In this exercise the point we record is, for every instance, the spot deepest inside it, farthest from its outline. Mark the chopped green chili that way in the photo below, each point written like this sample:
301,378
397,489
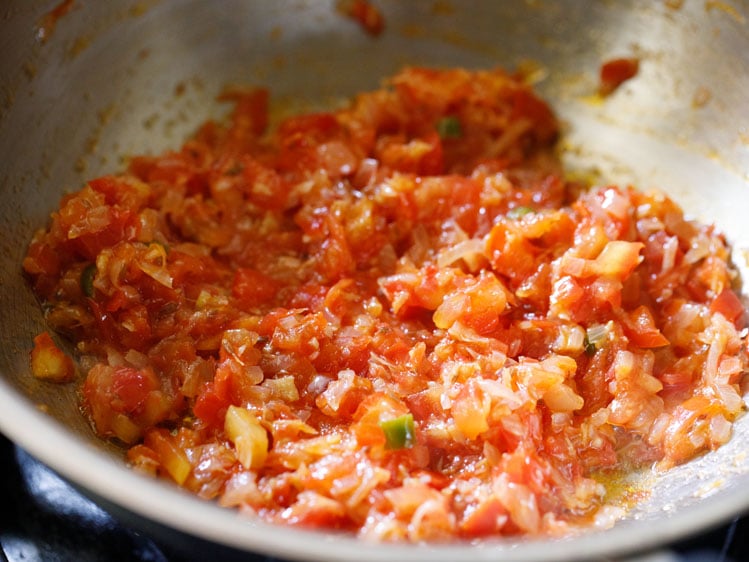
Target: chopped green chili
399,432
235,170
87,279
449,128
519,212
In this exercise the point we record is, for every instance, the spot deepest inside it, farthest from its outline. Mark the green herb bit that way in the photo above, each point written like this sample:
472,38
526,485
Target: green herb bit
235,170
519,212
449,128
87,279
595,337
400,432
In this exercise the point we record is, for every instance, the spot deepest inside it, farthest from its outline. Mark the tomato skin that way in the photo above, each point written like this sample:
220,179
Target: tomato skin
477,306
251,288
639,326
615,72
129,387
465,203
512,254
263,185
211,405
188,270
126,193
89,224
422,156
526,105
125,395
730,306
42,259
365,14
120,226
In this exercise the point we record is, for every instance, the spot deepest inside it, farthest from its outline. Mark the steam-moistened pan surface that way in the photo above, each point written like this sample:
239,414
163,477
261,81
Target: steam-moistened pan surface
89,93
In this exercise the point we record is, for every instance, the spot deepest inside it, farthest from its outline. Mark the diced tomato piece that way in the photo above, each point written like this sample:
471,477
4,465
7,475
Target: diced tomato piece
306,128
639,326
342,397
615,72
210,406
250,115
123,401
423,156
253,288
526,105
264,186
365,14
42,259
90,225
730,306
484,519
511,254
125,191
49,362
477,306
130,387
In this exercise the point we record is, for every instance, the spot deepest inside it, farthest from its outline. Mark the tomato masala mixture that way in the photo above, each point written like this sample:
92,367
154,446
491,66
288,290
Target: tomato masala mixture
396,319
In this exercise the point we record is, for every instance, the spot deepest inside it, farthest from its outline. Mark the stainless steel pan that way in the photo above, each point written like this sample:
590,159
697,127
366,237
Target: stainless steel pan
118,78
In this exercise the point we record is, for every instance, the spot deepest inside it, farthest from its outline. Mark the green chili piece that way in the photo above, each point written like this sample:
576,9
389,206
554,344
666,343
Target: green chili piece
87,279
400,432
449,128
519,212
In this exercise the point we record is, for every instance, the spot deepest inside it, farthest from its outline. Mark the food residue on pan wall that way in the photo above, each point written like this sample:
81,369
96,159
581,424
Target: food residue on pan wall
49,21
531,71
79,44
709,489
30,70
726,8
443,7
614,72
701,97
104,116
625,489
368,16
139,9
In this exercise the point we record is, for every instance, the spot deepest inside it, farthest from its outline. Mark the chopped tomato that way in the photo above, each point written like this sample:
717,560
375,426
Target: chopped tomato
396,318
730,306
49,362
615,72
210,406
639,326
124,401
252,288
363,12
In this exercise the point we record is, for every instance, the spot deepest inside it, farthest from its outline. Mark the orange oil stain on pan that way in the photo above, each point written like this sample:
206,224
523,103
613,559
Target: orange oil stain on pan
48,22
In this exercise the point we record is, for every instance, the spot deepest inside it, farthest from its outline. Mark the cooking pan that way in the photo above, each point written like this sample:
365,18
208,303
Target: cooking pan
85,84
